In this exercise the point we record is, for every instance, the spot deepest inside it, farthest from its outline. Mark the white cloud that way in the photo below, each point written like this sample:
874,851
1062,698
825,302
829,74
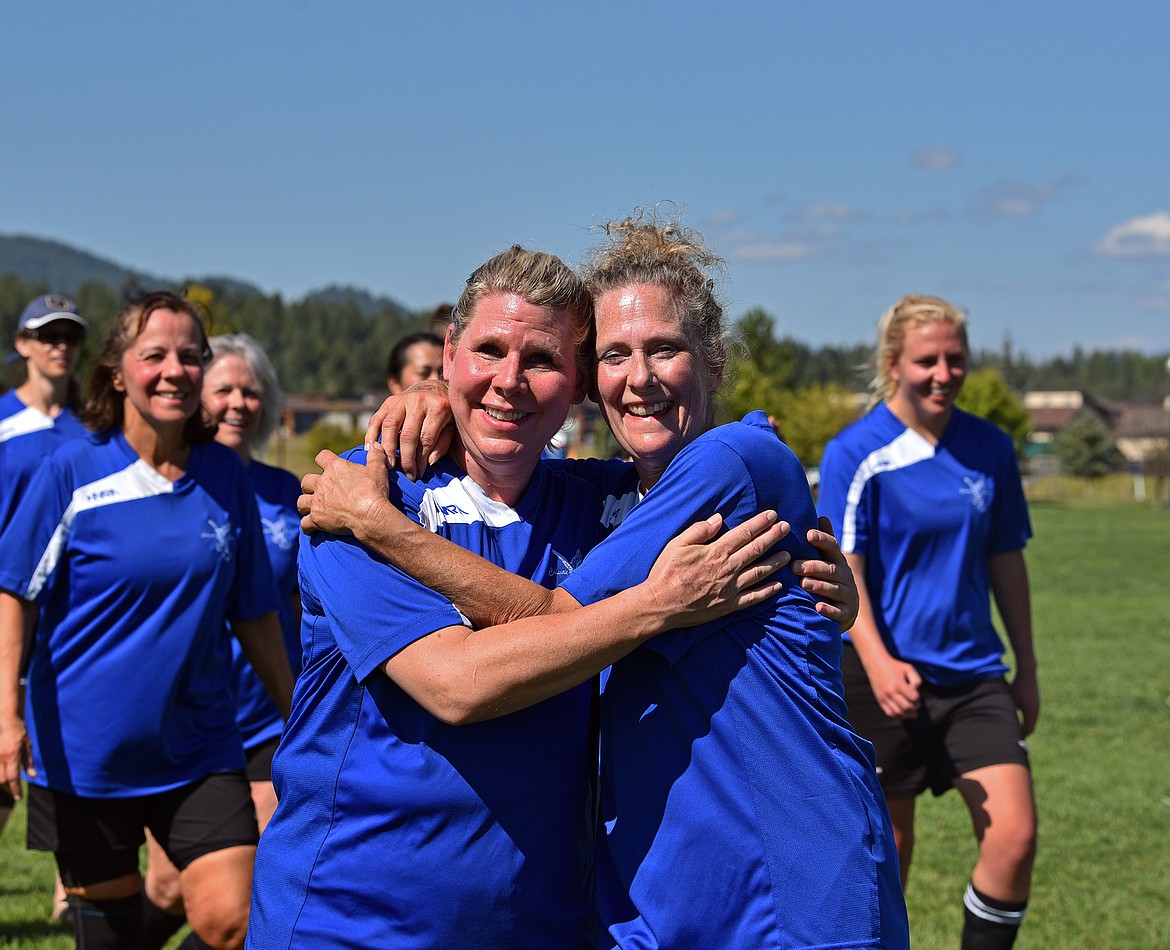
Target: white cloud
909,216
833,211
764,250
936,159
724,218
1017,199
1138,237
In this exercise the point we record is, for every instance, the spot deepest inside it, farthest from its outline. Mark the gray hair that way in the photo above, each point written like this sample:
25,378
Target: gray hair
258,363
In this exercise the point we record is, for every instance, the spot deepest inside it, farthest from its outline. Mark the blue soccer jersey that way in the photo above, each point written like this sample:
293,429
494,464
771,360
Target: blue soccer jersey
927,518
276,498
129,679
739,810
395,830
27,435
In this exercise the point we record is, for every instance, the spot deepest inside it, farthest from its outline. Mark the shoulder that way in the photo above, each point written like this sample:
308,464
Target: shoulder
279,480
752,441
969,426
10,404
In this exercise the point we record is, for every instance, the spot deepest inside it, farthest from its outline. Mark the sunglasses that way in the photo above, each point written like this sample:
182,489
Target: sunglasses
57,337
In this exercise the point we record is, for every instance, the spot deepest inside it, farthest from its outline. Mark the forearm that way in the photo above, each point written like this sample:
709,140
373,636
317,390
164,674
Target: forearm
463,676
1009,585
14,621
485,593
263,645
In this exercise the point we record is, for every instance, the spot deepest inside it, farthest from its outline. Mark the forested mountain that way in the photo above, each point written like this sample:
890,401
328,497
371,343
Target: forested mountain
335,341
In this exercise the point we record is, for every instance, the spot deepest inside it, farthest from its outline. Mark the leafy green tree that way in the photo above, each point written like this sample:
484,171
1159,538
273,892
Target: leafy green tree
333,436
986,394
1085,448
811,415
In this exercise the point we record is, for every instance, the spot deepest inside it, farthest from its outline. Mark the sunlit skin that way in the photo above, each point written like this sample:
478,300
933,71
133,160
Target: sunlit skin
231,396
655,389
513,377
423,361
161,376
56,360
929,373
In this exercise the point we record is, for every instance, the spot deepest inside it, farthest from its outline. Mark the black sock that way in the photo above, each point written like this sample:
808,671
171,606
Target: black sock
107,925
990,924
192,942
157,925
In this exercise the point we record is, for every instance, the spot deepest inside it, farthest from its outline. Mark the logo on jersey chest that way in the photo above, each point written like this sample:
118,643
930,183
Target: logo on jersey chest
221,535
980,491
280,533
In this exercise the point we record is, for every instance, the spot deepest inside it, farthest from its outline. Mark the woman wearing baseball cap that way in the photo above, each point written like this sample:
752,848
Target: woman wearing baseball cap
37,415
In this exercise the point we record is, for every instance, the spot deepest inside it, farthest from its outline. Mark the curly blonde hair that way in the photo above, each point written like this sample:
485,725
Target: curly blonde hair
644,248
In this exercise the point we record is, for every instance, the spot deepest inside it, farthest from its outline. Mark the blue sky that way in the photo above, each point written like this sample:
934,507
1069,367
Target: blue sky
1012,157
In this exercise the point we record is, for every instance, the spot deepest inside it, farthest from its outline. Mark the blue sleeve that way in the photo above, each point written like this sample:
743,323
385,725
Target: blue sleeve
849,516
1010,526
370,608
31,531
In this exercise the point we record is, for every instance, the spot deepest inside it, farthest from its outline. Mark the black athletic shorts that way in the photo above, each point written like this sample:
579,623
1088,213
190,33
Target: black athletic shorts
259,768
958,729
97,839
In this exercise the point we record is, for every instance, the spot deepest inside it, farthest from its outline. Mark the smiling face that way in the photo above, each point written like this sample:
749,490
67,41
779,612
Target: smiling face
52,351
654,387
512,376
161,373
928,374
231,396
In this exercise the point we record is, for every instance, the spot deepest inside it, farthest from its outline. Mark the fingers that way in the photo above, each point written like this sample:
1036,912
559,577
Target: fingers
374,427
700,532
825,523
826,543
749,541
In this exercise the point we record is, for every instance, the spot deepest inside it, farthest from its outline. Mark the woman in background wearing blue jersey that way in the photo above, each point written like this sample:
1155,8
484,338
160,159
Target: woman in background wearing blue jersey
37,416
933,517
242,396
241,393
738,808
130,549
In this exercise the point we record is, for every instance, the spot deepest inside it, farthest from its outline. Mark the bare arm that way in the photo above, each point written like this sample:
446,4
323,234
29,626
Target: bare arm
1009,585
263,645
17,617
894,682
462,675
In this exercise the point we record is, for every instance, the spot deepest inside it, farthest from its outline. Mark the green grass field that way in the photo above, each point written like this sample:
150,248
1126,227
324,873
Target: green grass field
1101,754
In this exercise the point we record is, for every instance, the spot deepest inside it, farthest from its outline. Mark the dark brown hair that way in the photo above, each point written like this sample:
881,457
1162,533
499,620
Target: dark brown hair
105,408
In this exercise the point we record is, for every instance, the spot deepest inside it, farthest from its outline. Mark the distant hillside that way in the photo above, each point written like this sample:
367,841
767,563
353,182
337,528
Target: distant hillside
64,269
367,303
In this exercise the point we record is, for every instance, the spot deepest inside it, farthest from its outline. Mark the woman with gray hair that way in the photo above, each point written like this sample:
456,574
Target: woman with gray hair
242,396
